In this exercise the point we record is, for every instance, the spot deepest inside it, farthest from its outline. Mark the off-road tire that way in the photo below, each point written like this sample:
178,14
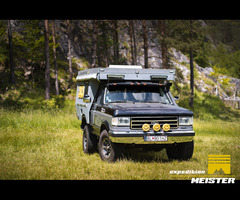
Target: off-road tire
89,141
108,151
180,151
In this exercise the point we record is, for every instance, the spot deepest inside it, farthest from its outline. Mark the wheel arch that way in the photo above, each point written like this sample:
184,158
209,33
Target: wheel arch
84,122
104,126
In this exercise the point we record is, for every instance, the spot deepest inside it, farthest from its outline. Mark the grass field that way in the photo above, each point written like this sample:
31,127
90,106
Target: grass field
35,144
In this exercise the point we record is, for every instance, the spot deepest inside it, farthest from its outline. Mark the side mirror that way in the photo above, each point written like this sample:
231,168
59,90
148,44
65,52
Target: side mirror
86,99
176,98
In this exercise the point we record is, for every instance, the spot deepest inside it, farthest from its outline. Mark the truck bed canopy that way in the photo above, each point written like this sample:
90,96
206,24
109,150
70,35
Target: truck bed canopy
126,72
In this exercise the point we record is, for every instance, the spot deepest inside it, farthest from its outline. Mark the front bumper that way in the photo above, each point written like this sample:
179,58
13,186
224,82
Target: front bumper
128,136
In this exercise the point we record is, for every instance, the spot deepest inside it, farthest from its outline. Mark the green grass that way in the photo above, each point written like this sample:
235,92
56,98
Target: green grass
38,144
208,107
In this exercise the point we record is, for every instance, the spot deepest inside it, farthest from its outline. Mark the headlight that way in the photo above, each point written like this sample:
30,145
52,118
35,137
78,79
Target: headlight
185,120
121,121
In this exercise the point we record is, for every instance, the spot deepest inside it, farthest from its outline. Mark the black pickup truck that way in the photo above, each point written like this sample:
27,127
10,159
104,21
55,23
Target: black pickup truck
120,106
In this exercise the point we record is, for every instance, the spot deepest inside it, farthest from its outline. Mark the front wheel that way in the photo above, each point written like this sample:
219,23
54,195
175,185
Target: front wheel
180,151
108,151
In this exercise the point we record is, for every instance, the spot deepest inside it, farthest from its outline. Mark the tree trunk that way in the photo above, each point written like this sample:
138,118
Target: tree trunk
55,58
145,41
94,51
164,49
47,69
105,45
191,69
116,42
131,39
69,50
12,66
132,42
191,80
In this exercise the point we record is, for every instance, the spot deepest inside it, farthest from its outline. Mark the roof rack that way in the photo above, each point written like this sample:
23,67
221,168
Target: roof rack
126,72
125,66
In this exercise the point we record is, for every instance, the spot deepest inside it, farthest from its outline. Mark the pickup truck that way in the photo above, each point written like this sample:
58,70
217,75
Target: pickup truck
127,105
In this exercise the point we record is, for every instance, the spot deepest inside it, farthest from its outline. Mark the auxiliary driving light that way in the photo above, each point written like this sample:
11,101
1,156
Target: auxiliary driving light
166,127
145,127
156,127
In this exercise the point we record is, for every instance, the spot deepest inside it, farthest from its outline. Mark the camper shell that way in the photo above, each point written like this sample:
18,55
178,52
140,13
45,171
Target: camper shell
127,105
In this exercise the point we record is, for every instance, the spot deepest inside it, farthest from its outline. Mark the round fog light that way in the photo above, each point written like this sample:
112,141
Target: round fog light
145,127
156,127
166,127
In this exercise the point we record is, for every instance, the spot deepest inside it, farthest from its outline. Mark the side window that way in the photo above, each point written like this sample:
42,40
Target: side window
100,96
86,89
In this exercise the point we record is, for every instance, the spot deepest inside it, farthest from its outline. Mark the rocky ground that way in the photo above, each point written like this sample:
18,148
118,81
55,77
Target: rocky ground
206,80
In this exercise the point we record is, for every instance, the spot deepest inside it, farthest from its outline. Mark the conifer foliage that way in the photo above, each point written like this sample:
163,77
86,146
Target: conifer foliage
46,54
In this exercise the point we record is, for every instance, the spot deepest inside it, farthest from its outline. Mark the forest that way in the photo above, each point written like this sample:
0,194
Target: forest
43,56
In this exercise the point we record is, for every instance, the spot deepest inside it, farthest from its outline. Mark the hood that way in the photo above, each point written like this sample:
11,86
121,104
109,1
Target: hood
134,109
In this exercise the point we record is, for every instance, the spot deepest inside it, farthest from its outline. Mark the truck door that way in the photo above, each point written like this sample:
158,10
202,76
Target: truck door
97,107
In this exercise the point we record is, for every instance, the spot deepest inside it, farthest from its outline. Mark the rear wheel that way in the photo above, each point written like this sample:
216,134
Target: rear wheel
180,151
89,141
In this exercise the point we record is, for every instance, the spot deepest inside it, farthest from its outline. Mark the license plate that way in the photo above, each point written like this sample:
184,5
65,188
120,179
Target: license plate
155,138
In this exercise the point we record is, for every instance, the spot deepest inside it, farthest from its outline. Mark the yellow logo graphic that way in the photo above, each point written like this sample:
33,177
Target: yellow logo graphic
81,92
145,127
166,127
217,162
156,127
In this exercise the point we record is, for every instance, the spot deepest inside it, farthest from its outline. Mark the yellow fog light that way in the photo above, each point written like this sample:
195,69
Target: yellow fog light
156,127
166,127
145,127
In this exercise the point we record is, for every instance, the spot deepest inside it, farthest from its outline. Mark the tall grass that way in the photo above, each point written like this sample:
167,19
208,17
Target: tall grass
41,144
206,106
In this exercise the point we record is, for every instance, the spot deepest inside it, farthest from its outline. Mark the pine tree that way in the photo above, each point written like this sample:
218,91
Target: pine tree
186,35
29,49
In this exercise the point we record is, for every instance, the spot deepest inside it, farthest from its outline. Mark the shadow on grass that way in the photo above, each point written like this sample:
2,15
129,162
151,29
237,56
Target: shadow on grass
140,155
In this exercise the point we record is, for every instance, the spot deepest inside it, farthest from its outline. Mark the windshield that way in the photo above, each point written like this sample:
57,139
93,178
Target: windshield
136,94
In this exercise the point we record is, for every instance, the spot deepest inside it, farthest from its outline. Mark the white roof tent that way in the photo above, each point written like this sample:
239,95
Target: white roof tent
126,72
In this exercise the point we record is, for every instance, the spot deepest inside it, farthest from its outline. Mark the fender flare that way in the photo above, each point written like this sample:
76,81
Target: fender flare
104,125
83,122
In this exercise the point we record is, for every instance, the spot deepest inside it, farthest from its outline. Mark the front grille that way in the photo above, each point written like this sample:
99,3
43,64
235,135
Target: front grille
137,122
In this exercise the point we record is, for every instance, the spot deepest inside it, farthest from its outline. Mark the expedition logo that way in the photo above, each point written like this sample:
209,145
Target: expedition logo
219,171
217,164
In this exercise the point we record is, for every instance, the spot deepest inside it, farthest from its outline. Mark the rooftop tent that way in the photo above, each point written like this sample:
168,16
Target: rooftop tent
126,72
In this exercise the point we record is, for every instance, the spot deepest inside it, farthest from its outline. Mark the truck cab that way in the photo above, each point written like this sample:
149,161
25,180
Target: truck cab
128,105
